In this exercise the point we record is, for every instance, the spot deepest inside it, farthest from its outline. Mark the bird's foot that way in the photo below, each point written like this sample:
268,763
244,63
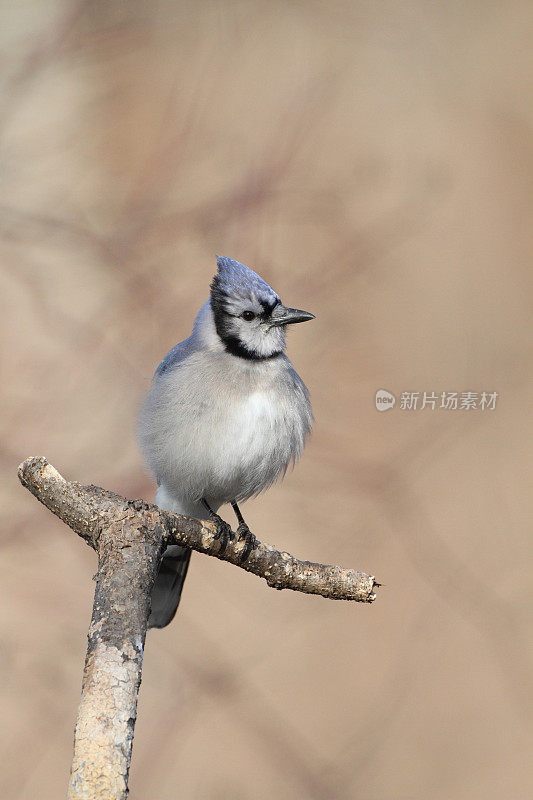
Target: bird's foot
223,532
244,534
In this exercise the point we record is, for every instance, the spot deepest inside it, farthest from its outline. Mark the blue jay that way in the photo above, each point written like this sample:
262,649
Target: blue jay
225,416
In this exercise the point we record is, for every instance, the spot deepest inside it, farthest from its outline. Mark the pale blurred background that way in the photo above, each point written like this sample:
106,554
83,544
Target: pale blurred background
371,160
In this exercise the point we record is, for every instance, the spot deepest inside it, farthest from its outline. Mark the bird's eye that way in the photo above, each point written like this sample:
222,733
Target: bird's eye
248,315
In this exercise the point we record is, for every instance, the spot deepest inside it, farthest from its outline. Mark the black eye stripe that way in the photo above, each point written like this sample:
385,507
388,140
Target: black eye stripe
236,316
269,306
249,315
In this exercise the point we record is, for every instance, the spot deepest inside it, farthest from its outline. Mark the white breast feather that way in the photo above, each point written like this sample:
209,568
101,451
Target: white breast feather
226,433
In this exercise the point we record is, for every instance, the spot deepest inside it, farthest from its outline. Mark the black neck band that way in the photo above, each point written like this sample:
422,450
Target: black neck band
236,348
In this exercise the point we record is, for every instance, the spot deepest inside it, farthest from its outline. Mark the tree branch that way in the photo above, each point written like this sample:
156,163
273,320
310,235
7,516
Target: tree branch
87,509
129,537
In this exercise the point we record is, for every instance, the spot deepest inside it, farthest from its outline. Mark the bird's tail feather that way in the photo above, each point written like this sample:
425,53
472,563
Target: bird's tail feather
166,592
168,585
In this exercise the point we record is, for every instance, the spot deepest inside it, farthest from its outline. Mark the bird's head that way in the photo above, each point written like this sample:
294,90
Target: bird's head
250,318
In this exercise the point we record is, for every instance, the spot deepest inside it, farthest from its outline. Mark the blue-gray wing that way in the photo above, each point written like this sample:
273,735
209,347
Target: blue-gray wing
300,390
174,357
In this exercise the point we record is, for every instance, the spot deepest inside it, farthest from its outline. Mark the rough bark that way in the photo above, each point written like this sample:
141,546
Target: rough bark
129,537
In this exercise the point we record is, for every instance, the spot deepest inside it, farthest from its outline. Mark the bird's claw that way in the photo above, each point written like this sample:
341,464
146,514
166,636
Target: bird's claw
244,534
223,532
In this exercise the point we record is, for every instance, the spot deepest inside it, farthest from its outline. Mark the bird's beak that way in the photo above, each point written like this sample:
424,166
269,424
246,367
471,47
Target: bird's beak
282,315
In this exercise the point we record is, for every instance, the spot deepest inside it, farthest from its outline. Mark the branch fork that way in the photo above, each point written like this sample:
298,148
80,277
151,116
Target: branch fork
129,537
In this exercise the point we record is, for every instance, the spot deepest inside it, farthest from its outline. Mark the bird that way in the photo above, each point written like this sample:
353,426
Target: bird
225,416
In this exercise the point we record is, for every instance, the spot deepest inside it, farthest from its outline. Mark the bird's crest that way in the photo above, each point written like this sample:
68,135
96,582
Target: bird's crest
236,281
